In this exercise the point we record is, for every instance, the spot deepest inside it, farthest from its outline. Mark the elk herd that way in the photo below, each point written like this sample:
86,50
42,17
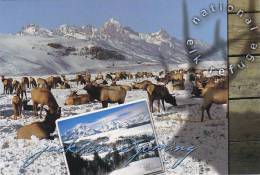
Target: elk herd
105,89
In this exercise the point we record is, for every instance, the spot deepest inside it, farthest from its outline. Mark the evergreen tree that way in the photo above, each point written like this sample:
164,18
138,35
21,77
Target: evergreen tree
116,157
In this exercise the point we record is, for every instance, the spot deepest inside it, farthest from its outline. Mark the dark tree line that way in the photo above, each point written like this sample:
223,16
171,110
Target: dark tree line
110,162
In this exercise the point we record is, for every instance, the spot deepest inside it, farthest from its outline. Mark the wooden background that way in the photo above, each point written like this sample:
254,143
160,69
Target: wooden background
244,91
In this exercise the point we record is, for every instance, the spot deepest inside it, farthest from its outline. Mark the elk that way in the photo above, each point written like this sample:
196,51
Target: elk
87,77
178,85
53,81
99,76
43,97
161,80
17,106
105,95
64,85
42,83
159,92
41,130
172,76
25,81
212,95
202,83
130,76
139,75
33,83
21,90
141,85
75,99
15,84
64,77
80,79
109,76
25,105
126,87
7,83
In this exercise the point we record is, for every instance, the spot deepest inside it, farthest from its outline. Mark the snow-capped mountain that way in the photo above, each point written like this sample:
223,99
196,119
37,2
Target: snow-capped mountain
35,30
118,47
122,119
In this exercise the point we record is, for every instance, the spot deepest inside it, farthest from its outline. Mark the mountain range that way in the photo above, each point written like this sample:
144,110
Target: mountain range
68,49
125,118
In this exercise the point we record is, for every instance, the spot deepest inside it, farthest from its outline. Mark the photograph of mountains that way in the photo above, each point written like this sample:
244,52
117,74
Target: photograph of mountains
109,141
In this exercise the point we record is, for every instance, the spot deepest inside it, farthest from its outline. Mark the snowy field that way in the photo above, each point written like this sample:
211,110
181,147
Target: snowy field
177,125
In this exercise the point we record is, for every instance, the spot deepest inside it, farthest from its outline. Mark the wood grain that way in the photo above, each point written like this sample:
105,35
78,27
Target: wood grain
244,88
244,120
240,36
238,26
246,82
245,5
245,157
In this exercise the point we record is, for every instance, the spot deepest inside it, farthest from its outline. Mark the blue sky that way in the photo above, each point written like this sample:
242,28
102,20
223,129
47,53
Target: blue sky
141,15
65,125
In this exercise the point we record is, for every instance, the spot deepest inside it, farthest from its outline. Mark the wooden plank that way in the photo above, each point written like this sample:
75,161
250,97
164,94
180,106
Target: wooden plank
244,120
245,83
240,35
238,26
245,5
244,158
242,47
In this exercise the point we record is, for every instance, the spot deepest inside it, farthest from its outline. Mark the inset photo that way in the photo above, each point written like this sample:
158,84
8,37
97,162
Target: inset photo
115,141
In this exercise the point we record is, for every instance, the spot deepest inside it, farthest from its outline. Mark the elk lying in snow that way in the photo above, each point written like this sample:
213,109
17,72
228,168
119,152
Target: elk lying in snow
159,92
75,99
41,130
43,97
212,95
7,83
141,85
17,106
33,83
112,94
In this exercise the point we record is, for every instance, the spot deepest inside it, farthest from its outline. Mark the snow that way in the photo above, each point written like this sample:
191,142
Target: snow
180,125
114,135
30,50
143,166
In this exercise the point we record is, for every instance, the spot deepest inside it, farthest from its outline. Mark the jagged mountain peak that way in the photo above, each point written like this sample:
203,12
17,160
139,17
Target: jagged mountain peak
162,32
112,21
34,30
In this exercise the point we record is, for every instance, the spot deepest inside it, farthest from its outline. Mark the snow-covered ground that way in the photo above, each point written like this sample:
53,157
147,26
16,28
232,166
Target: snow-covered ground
140,167
176,126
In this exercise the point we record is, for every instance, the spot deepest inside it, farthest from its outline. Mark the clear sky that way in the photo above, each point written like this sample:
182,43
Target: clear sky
140,15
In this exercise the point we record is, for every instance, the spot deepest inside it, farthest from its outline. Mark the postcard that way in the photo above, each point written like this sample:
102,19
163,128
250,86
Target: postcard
75,75
115,141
